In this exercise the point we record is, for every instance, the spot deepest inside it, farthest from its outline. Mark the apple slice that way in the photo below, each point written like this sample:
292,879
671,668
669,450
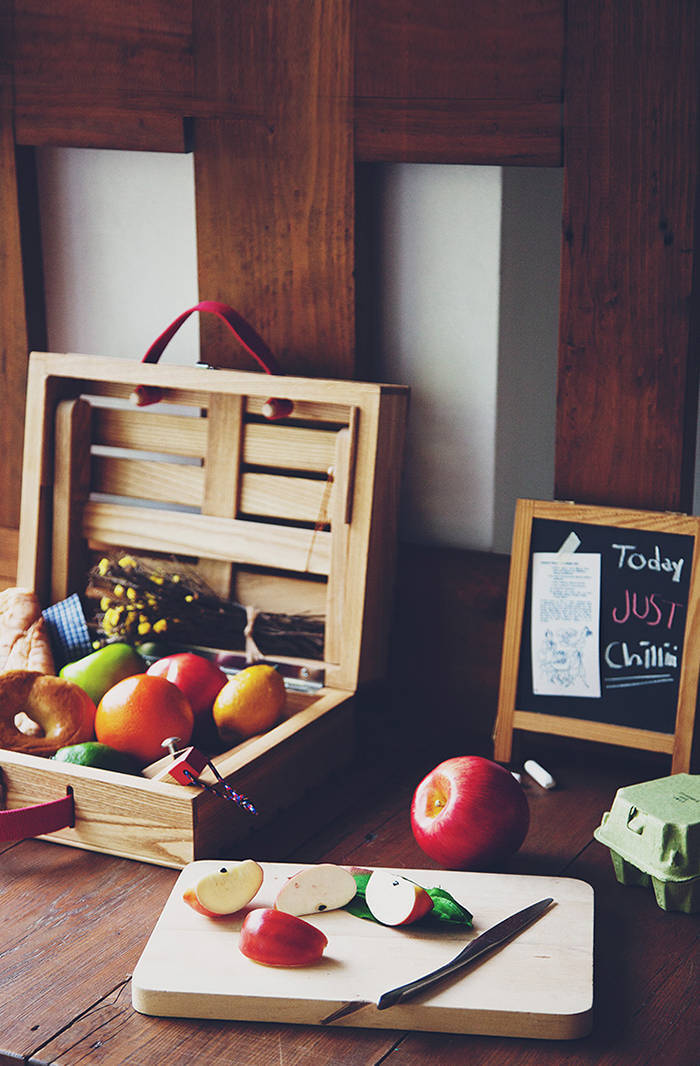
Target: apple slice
325,887
274,938
226,890
394,900
191,900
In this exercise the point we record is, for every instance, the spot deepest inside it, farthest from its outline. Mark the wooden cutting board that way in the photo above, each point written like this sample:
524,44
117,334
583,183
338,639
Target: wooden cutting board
538,985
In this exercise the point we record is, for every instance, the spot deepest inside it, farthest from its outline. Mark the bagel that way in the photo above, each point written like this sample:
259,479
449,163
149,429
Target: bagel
62,709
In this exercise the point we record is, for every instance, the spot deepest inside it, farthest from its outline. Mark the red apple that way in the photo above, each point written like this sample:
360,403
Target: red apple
198,678
278,939
469,813
394,900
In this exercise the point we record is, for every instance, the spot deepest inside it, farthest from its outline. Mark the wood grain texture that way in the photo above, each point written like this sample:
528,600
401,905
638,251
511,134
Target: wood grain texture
275,209
337,576
166,433
13,322
9,537
628,365
148,480
78,125
103,75
471,132
77,1008
71,487
540,986
222,484
468,83
34,554
207,536
85,899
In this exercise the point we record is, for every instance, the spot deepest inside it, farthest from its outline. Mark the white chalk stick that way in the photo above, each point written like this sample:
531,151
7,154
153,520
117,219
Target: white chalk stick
539,774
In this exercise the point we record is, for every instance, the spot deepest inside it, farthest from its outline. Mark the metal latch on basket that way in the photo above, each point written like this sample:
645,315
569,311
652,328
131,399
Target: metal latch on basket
186,767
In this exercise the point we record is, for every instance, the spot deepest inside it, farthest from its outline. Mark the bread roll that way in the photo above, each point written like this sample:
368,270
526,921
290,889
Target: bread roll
24,641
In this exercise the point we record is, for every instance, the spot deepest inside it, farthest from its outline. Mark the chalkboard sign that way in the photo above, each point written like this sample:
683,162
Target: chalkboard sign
602,628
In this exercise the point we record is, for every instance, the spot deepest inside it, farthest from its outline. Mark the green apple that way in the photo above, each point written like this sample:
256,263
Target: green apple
101,669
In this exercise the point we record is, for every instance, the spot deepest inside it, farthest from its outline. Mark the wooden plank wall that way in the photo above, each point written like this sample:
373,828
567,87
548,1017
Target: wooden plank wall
280,100
628,355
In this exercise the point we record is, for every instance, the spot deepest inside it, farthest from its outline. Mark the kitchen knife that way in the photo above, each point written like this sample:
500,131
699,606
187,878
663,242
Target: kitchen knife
492,938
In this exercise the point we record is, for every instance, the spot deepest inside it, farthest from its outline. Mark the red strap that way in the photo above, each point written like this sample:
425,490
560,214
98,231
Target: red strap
144,395
251,341
23,822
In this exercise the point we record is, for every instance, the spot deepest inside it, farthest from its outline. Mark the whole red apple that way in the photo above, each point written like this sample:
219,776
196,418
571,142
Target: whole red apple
469,813
198,678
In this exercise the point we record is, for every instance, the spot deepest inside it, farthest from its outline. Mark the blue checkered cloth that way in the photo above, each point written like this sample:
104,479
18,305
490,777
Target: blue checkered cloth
68,631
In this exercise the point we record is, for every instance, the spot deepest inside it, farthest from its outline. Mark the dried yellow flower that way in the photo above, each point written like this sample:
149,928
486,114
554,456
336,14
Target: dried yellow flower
112,617
160,626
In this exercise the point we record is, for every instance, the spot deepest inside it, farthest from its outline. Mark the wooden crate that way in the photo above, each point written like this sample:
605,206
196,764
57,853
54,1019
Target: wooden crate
203,475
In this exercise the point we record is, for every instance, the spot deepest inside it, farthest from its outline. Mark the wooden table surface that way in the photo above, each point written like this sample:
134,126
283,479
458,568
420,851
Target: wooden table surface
75,924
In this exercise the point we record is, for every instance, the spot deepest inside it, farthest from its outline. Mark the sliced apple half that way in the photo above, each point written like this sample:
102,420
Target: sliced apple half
274,938
226,890
394,900
325,887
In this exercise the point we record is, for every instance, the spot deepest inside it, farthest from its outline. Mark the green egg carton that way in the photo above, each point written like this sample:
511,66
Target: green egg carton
653,833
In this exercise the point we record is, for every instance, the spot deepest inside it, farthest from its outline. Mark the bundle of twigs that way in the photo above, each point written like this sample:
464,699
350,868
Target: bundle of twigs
139,600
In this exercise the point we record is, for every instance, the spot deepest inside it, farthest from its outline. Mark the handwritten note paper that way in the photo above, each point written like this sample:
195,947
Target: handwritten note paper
565,626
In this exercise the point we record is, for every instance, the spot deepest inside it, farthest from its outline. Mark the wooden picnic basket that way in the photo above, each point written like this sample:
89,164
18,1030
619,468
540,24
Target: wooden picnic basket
294,516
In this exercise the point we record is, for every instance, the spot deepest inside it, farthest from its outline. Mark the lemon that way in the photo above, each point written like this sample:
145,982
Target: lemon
92,753
250,702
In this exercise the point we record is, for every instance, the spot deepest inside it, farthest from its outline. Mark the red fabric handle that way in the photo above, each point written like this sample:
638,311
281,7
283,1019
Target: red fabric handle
242,330
23,822
144,395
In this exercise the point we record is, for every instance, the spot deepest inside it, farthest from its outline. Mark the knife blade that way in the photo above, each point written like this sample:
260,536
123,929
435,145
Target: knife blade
498,934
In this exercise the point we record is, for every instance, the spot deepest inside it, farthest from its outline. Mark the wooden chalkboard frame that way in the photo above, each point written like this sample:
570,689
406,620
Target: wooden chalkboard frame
678,744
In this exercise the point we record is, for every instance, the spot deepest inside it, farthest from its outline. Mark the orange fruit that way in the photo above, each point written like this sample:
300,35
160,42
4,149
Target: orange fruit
250,702
137,714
